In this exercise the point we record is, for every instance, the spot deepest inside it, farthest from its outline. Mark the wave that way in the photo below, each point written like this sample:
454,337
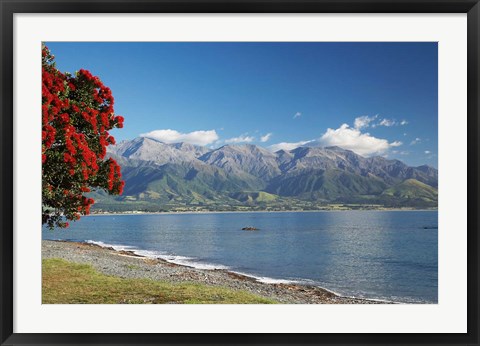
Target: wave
176,259
189,262
266,279
116,247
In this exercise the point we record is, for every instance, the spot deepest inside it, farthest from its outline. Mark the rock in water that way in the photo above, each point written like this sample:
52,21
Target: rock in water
250,228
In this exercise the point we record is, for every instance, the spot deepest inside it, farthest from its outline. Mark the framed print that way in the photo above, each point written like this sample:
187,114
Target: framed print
239,172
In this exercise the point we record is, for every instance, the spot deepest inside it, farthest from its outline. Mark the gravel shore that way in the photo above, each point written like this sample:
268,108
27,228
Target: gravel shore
126,264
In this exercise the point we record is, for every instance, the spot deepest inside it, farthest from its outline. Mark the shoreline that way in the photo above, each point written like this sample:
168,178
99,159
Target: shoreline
128,264
245,212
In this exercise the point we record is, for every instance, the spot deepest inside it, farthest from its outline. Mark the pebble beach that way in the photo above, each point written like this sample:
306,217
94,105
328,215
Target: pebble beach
127,264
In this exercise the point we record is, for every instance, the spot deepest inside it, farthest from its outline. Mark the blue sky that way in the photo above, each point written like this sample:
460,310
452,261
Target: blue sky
372,98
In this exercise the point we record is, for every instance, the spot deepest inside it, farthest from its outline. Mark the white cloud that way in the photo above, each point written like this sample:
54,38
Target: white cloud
240,139
297,115
287,146
172,136
387,122
352,139
266,137
368,121
415,141
363,121
427,152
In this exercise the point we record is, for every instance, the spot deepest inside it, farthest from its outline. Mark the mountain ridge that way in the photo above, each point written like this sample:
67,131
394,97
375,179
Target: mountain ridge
162,174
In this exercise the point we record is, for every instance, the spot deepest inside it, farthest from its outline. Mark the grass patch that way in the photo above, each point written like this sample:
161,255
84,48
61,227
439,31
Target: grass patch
71,283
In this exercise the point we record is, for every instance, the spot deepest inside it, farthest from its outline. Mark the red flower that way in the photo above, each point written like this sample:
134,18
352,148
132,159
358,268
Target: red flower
119,120
64,117
77,115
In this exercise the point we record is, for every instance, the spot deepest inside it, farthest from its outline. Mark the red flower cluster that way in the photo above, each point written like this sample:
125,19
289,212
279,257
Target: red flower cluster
114,183
86,204
77,113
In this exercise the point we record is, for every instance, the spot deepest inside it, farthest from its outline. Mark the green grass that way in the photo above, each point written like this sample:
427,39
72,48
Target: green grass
71,283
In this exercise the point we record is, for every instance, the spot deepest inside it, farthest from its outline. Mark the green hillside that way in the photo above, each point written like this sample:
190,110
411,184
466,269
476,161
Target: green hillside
412,189
253,197
325,185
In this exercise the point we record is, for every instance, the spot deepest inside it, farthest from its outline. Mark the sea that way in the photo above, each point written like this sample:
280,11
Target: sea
385,255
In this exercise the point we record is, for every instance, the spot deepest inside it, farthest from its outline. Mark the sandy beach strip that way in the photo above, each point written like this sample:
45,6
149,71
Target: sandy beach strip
127,264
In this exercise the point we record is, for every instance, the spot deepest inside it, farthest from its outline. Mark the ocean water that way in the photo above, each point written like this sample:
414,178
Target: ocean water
388,255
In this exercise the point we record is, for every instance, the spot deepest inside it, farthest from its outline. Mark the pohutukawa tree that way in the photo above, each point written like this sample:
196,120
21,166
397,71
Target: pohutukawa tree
77,113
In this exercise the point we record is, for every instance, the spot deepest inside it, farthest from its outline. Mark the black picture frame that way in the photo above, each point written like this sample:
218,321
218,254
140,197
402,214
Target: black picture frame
9,8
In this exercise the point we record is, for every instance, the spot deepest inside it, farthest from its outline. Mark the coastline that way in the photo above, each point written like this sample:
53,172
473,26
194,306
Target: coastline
246,212
127,264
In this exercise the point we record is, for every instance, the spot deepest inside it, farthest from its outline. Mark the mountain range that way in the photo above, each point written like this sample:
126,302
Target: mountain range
158,175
